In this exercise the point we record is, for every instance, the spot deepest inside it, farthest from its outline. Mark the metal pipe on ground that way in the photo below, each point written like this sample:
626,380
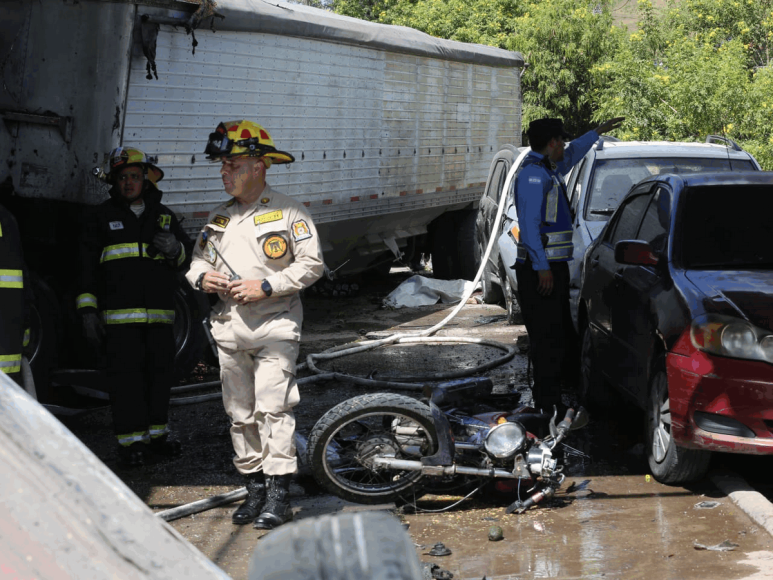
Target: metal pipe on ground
203,505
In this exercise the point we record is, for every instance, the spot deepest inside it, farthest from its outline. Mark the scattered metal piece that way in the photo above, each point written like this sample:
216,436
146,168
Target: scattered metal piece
706,505
491,319
431,571
439,549
490,519
726,546
495,534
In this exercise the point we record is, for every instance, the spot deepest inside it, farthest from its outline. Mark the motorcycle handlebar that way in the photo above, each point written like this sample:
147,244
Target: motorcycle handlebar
565,424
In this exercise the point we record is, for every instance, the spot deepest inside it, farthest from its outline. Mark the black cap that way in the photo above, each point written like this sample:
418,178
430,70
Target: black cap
548,128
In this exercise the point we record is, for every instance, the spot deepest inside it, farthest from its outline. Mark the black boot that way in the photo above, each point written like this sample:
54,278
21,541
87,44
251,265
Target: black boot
132,455
256,499
165,446
277,510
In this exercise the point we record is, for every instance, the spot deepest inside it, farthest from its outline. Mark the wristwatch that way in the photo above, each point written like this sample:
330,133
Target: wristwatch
266,287
199,280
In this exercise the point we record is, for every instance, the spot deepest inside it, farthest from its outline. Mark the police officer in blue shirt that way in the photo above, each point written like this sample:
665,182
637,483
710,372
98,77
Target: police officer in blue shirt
544,250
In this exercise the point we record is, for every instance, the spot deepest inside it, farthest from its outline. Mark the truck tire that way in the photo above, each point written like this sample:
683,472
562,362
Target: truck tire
190,308
453,246
340,546
45,335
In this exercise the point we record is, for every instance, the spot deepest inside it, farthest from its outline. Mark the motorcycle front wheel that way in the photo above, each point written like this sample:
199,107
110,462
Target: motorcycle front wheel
346,440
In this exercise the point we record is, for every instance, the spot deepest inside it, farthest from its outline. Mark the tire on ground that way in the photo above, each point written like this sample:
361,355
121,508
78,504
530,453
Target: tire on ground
340,546
45,335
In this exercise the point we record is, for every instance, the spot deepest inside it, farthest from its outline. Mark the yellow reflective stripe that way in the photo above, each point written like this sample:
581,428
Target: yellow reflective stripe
555,238
26,339
129,438
181,257
119,251
126,315
10,363
11,279
158,430
165,316
559,252
85,300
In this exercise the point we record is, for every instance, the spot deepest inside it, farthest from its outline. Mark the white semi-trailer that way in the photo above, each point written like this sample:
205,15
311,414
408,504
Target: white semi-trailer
393,130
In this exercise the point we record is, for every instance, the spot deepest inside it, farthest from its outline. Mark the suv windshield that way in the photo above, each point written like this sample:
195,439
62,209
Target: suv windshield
727,227
612,178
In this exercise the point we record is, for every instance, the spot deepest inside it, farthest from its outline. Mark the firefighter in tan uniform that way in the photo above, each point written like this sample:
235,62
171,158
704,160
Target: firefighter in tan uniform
257,252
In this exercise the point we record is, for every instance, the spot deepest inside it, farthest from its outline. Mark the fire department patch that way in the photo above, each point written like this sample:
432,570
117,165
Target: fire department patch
209,253
275,246
271,216
301,231
220,220
116,225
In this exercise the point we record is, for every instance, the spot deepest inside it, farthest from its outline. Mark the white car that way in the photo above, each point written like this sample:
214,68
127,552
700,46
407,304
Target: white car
595,187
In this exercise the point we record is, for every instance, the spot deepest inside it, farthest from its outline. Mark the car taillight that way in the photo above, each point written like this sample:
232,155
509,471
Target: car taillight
731,337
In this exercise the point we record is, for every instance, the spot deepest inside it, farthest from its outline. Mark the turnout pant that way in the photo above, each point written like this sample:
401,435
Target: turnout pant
140,370
553,343
259,393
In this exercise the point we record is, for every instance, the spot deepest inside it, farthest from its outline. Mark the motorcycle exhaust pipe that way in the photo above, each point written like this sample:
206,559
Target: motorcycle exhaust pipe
407,465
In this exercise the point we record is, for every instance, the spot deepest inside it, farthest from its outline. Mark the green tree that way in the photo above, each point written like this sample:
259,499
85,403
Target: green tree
563,41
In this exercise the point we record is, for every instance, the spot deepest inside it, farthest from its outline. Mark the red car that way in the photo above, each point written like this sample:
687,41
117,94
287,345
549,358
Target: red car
676,313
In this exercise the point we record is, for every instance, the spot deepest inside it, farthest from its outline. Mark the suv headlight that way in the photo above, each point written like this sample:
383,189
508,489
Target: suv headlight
731,337
505,440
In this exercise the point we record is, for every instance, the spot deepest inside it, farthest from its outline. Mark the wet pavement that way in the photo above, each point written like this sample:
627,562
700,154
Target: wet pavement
620,524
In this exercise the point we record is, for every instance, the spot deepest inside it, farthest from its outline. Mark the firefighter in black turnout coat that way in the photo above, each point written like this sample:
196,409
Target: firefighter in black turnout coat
15,296
131,249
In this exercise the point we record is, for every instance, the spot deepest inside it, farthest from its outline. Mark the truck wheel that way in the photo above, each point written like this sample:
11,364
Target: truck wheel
453,246
190,308
45,331
467,259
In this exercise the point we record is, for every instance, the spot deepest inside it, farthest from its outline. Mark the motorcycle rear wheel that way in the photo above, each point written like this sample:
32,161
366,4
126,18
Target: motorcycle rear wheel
346,439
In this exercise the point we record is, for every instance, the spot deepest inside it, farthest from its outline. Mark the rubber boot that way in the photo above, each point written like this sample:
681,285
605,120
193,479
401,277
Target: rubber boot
132,455
256,499
277,510
165,447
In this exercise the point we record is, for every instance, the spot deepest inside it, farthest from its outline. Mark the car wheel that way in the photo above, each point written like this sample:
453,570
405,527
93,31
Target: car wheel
594,391
511,303
492,293
668,462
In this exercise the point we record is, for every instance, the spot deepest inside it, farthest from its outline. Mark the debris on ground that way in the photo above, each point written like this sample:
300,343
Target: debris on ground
439,549
495,534
706,505
726,546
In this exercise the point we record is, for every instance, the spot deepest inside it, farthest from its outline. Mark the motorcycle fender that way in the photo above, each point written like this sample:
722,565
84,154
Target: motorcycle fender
446,450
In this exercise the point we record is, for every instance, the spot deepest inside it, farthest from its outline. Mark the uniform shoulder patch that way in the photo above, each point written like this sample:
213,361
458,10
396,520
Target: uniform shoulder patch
271,216
301,231
275,246
220,220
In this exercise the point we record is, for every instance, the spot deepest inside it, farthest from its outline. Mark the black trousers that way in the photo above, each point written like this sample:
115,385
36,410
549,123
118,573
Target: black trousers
140,370
553,342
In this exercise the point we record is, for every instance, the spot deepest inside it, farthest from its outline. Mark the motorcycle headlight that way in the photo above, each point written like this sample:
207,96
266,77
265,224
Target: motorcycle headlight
505,440
732,337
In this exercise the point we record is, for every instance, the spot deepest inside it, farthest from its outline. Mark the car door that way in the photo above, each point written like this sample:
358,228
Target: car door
601,283
634,314
489,203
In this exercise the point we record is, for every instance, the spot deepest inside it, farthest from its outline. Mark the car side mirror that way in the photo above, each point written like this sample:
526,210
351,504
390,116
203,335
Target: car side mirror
635,253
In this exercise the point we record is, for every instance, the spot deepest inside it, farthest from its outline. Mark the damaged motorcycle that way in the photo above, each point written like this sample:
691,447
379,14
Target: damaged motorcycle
385,447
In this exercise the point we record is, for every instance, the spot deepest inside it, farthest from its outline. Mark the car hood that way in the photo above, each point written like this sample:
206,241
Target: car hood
732,291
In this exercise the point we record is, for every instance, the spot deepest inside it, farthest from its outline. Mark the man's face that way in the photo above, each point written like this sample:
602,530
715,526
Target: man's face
242,175
557,145
130,181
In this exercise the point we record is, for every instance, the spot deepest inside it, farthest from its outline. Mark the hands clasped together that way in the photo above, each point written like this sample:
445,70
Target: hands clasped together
243,291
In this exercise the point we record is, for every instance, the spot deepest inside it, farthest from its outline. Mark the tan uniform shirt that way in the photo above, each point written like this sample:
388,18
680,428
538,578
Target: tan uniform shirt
272,239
